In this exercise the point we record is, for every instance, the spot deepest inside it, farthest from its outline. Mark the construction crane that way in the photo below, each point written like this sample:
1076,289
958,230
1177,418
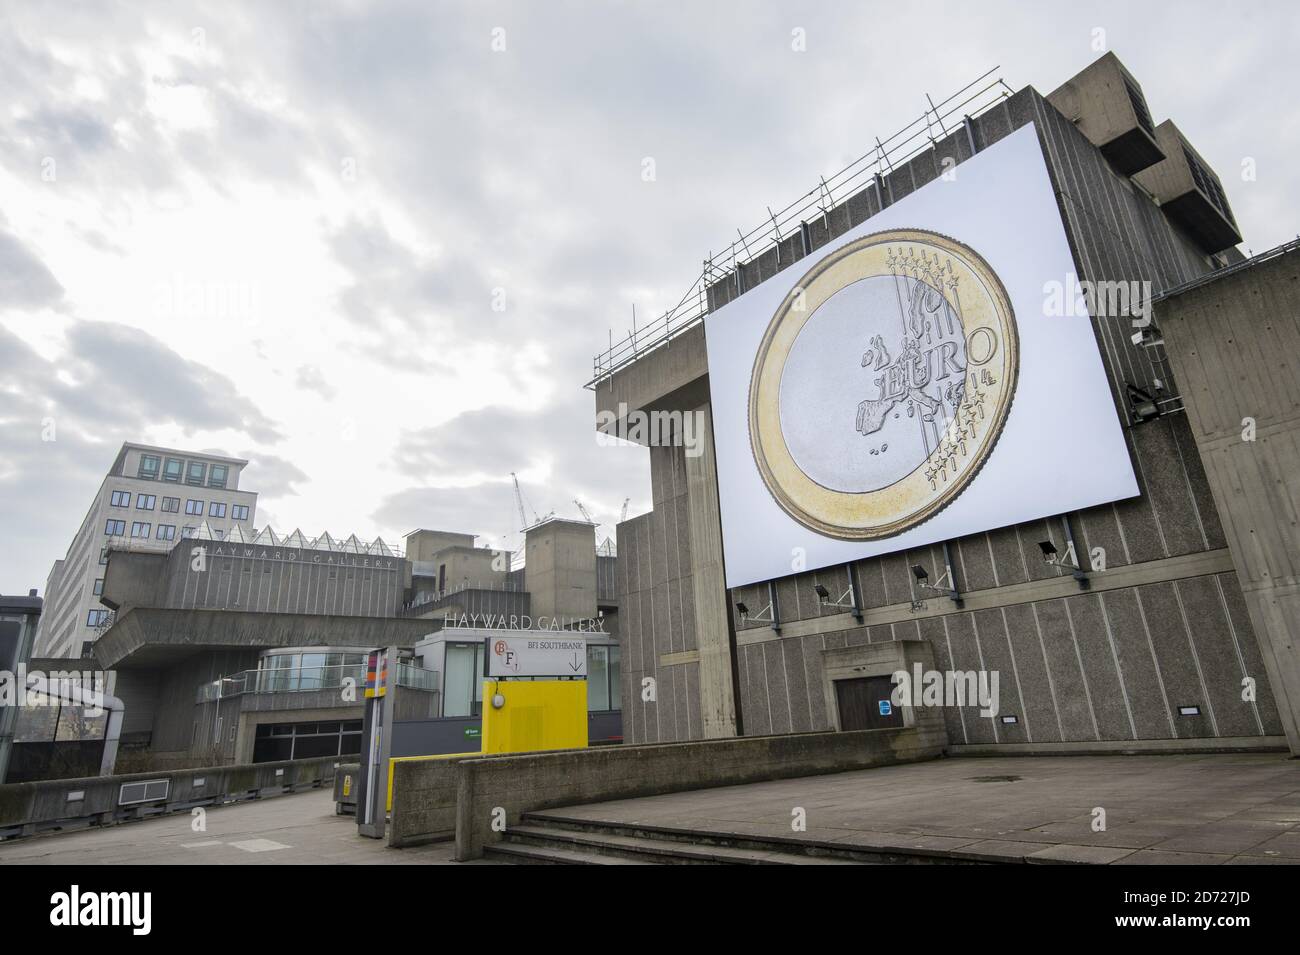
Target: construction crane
585,515
519,502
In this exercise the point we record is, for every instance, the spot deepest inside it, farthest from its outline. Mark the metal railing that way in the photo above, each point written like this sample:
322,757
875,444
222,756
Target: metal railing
417,678
917,136
282,680
303,679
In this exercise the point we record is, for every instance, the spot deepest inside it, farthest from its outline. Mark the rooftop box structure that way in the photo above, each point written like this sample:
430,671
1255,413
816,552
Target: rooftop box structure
1189,192
1106,104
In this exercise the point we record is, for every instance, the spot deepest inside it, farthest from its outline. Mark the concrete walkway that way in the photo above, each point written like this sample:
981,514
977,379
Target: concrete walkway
287,830
1158,809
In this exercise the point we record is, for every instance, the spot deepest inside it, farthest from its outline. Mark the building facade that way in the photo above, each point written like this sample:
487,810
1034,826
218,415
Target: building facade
151,498
1238,335
1152,649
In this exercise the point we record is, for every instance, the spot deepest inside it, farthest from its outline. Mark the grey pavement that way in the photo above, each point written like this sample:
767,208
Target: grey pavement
296,829
1242,809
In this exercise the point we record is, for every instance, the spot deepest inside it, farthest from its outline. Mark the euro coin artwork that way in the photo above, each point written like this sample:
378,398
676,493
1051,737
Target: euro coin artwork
882,384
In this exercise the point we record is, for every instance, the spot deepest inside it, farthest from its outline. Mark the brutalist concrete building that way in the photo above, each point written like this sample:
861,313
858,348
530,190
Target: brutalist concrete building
237,648
1150,647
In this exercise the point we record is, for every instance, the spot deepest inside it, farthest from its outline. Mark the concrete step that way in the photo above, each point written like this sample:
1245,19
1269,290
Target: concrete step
648,849
523,854
813,852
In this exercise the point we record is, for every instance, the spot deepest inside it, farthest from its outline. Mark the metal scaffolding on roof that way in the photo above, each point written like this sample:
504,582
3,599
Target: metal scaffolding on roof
917,136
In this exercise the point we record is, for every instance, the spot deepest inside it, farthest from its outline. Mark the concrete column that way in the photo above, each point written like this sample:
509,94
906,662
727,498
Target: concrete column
712,623
1232,343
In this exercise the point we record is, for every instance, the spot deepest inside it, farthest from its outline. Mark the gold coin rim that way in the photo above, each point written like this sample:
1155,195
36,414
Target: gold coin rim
1005,316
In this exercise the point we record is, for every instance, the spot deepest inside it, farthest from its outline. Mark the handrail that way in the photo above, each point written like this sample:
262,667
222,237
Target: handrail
971,100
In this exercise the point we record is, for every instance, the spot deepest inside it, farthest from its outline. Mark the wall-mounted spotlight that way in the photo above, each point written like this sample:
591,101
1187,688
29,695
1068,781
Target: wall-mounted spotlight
1068,561
1141,406
1148,337
945,586
767,614
850,595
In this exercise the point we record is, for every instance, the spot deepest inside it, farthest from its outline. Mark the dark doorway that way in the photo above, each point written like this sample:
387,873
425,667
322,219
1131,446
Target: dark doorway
864,703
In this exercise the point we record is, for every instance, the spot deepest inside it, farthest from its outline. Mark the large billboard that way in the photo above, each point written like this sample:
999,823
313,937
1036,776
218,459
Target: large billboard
913,380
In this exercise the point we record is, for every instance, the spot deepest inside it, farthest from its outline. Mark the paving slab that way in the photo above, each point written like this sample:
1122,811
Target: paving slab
1178,808
295,829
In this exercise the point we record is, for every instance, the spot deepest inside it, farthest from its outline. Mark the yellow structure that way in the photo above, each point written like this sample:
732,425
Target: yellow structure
534,715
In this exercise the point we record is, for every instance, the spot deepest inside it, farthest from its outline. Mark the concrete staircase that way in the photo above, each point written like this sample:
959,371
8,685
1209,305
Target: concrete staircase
549,839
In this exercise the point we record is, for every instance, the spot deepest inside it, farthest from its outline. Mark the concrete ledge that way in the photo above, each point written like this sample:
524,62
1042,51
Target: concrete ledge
50,804
491,788
424,801
1135,747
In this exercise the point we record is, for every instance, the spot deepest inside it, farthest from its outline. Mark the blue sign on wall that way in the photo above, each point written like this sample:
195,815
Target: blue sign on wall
885,708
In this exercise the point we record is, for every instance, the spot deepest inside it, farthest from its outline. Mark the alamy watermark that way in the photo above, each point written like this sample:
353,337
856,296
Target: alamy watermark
924,687
85,688
652,429
1106,299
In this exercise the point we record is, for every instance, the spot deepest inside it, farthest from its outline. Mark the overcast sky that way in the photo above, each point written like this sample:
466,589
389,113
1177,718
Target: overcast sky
279,230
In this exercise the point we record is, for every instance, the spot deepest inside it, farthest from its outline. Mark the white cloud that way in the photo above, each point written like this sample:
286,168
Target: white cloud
306,212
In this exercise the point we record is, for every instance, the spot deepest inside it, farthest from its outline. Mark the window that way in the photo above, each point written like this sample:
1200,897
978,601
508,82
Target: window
171,504
149,466
188,530
463,682
216,509
166,532
114,528
120,499
194,474
99,586
103,556
218,535
603,676
144,502
217,476
96,617
172,470
194,507
239,512
141,528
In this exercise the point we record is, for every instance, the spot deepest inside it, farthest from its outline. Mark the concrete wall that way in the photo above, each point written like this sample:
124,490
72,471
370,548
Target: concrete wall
28,808
519,784
422,545
1235,342
560,557
174,724
1164,626
276,579
424,801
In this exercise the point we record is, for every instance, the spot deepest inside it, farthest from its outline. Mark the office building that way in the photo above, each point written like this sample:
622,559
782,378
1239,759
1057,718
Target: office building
151,498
